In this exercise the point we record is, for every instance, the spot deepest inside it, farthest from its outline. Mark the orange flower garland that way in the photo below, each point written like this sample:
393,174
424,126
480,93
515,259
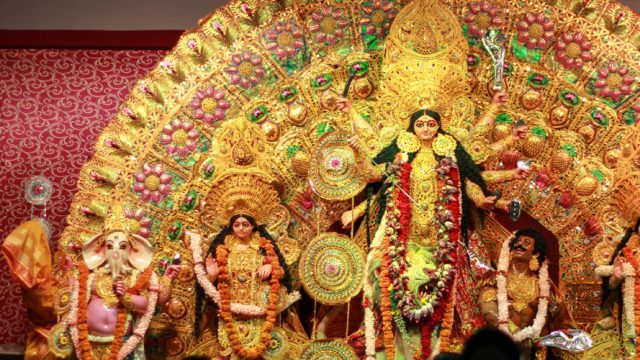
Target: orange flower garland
119,332
83,327
628,254
447,321
254,352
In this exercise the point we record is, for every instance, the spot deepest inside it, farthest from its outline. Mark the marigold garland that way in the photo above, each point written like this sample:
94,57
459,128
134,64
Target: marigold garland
83,326
84,296
254,352
447,322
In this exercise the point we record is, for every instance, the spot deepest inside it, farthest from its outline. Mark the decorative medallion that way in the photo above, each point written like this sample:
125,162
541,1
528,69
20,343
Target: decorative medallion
59,341
278,345
38,190
332,269
248,332
62,301
176,309
174,346
330,350
335,175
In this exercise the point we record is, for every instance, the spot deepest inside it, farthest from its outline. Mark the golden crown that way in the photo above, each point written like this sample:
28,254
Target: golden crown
247,192
116,220
425,62
626,198
425,29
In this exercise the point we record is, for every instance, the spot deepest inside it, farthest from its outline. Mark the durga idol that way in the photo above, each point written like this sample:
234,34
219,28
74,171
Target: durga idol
416,275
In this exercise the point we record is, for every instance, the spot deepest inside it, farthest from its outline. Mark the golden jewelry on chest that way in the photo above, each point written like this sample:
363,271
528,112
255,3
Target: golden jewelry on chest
522,290
104,289
423,182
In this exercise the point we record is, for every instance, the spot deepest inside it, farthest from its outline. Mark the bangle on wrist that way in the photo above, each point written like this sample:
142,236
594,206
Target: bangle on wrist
127,302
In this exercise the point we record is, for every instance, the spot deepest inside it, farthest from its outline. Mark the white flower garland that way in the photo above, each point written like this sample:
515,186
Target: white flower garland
628,292
73,314
144,321
214,295
529,332
369,319
140,329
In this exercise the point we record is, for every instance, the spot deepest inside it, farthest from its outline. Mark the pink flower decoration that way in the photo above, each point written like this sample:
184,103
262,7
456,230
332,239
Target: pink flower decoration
328,24
613,81
179,137
141,223
245,69
572,50
482,17
331,269
377,17
210,105
152,183
535,31
335,163
284,40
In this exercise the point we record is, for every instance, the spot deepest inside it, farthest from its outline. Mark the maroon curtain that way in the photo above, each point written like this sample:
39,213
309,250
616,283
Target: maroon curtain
53,105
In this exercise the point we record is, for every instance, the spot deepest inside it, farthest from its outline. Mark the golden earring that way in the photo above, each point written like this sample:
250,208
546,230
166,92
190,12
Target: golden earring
534,264
408,142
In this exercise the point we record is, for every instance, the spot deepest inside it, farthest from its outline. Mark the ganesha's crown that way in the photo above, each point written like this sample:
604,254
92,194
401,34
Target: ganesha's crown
116,220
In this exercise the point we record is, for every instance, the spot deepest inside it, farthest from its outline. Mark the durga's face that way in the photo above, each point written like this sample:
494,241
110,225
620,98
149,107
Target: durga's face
242,228
426,127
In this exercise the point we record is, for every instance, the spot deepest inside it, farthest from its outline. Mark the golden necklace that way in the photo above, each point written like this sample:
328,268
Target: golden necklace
522,289
423,190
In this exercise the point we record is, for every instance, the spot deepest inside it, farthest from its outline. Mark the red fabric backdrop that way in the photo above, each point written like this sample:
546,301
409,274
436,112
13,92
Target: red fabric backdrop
53,105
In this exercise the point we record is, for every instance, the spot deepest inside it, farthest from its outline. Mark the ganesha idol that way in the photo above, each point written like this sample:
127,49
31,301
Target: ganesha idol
114,296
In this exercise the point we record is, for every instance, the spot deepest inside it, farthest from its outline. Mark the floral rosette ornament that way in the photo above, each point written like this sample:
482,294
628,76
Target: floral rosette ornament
613,81
573,50
179,137
375,21
152,183
328,25
210,105
284,40
482,17
138,222
38,190
245,70
535,31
